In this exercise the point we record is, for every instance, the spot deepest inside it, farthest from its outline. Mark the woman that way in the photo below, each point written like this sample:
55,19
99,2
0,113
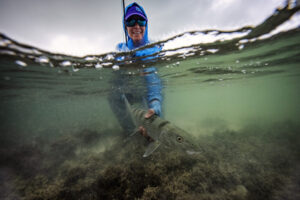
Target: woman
135,24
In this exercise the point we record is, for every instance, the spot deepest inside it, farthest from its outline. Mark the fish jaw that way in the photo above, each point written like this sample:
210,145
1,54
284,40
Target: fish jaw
172,136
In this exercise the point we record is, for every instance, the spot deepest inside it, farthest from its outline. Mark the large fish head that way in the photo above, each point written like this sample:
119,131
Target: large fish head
174,137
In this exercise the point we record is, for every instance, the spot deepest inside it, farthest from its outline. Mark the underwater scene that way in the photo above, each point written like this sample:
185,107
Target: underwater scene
230,127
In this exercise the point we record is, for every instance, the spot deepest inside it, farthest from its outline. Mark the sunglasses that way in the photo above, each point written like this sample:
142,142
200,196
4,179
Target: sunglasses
132,22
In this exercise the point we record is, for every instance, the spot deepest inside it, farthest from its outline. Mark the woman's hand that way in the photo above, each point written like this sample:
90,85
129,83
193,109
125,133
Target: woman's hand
154,108
150,113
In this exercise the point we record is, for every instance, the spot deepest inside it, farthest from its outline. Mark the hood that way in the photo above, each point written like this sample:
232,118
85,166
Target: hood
130,44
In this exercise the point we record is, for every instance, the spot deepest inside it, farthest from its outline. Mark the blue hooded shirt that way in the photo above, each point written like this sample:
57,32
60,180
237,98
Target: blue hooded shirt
153,82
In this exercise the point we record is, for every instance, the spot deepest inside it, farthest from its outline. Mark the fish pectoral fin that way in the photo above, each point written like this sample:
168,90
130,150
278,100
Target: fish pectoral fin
137,130
151,148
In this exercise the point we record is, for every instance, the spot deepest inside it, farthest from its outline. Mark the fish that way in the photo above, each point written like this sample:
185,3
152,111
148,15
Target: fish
161,132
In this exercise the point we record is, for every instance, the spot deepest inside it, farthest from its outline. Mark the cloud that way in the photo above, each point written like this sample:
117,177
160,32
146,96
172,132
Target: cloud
79,45
94,26
70,45
218,5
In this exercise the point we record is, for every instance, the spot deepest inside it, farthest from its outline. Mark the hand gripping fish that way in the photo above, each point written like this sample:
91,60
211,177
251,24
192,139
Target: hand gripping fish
160,131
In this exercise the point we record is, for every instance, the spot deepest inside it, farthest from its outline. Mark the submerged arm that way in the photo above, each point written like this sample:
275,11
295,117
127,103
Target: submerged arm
154,90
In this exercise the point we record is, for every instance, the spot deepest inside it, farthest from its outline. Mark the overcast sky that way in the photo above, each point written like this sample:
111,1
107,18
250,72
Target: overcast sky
80,27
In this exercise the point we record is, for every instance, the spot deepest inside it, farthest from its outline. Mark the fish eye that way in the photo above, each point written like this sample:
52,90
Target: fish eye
179,139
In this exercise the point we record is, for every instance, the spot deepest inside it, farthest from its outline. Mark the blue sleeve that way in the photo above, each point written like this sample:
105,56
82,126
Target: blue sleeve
121,47
148,52
153,82
154,90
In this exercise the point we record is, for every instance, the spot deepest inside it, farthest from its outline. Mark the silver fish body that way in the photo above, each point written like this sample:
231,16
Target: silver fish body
162,132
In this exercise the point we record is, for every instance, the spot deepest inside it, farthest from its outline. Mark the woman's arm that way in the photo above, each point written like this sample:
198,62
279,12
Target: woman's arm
154,90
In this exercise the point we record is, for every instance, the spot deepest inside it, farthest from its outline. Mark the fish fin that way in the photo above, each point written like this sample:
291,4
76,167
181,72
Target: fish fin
128,108
137,130
151,148
145,104
130,135
126,102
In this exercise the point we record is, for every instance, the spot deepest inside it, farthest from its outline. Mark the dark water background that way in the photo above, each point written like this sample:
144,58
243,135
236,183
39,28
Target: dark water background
238,97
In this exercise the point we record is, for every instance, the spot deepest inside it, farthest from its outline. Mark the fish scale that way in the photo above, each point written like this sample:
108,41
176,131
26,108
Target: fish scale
161,131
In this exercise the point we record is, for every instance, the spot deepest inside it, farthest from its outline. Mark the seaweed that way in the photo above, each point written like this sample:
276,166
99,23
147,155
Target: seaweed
252,163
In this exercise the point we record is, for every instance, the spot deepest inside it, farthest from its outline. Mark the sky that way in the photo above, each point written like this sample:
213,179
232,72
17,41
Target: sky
81,27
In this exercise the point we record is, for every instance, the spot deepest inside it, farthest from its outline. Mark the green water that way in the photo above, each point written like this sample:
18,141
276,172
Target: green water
258,88
230,89
61,140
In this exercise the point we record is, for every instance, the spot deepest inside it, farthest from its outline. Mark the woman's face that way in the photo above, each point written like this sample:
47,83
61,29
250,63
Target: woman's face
136,32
